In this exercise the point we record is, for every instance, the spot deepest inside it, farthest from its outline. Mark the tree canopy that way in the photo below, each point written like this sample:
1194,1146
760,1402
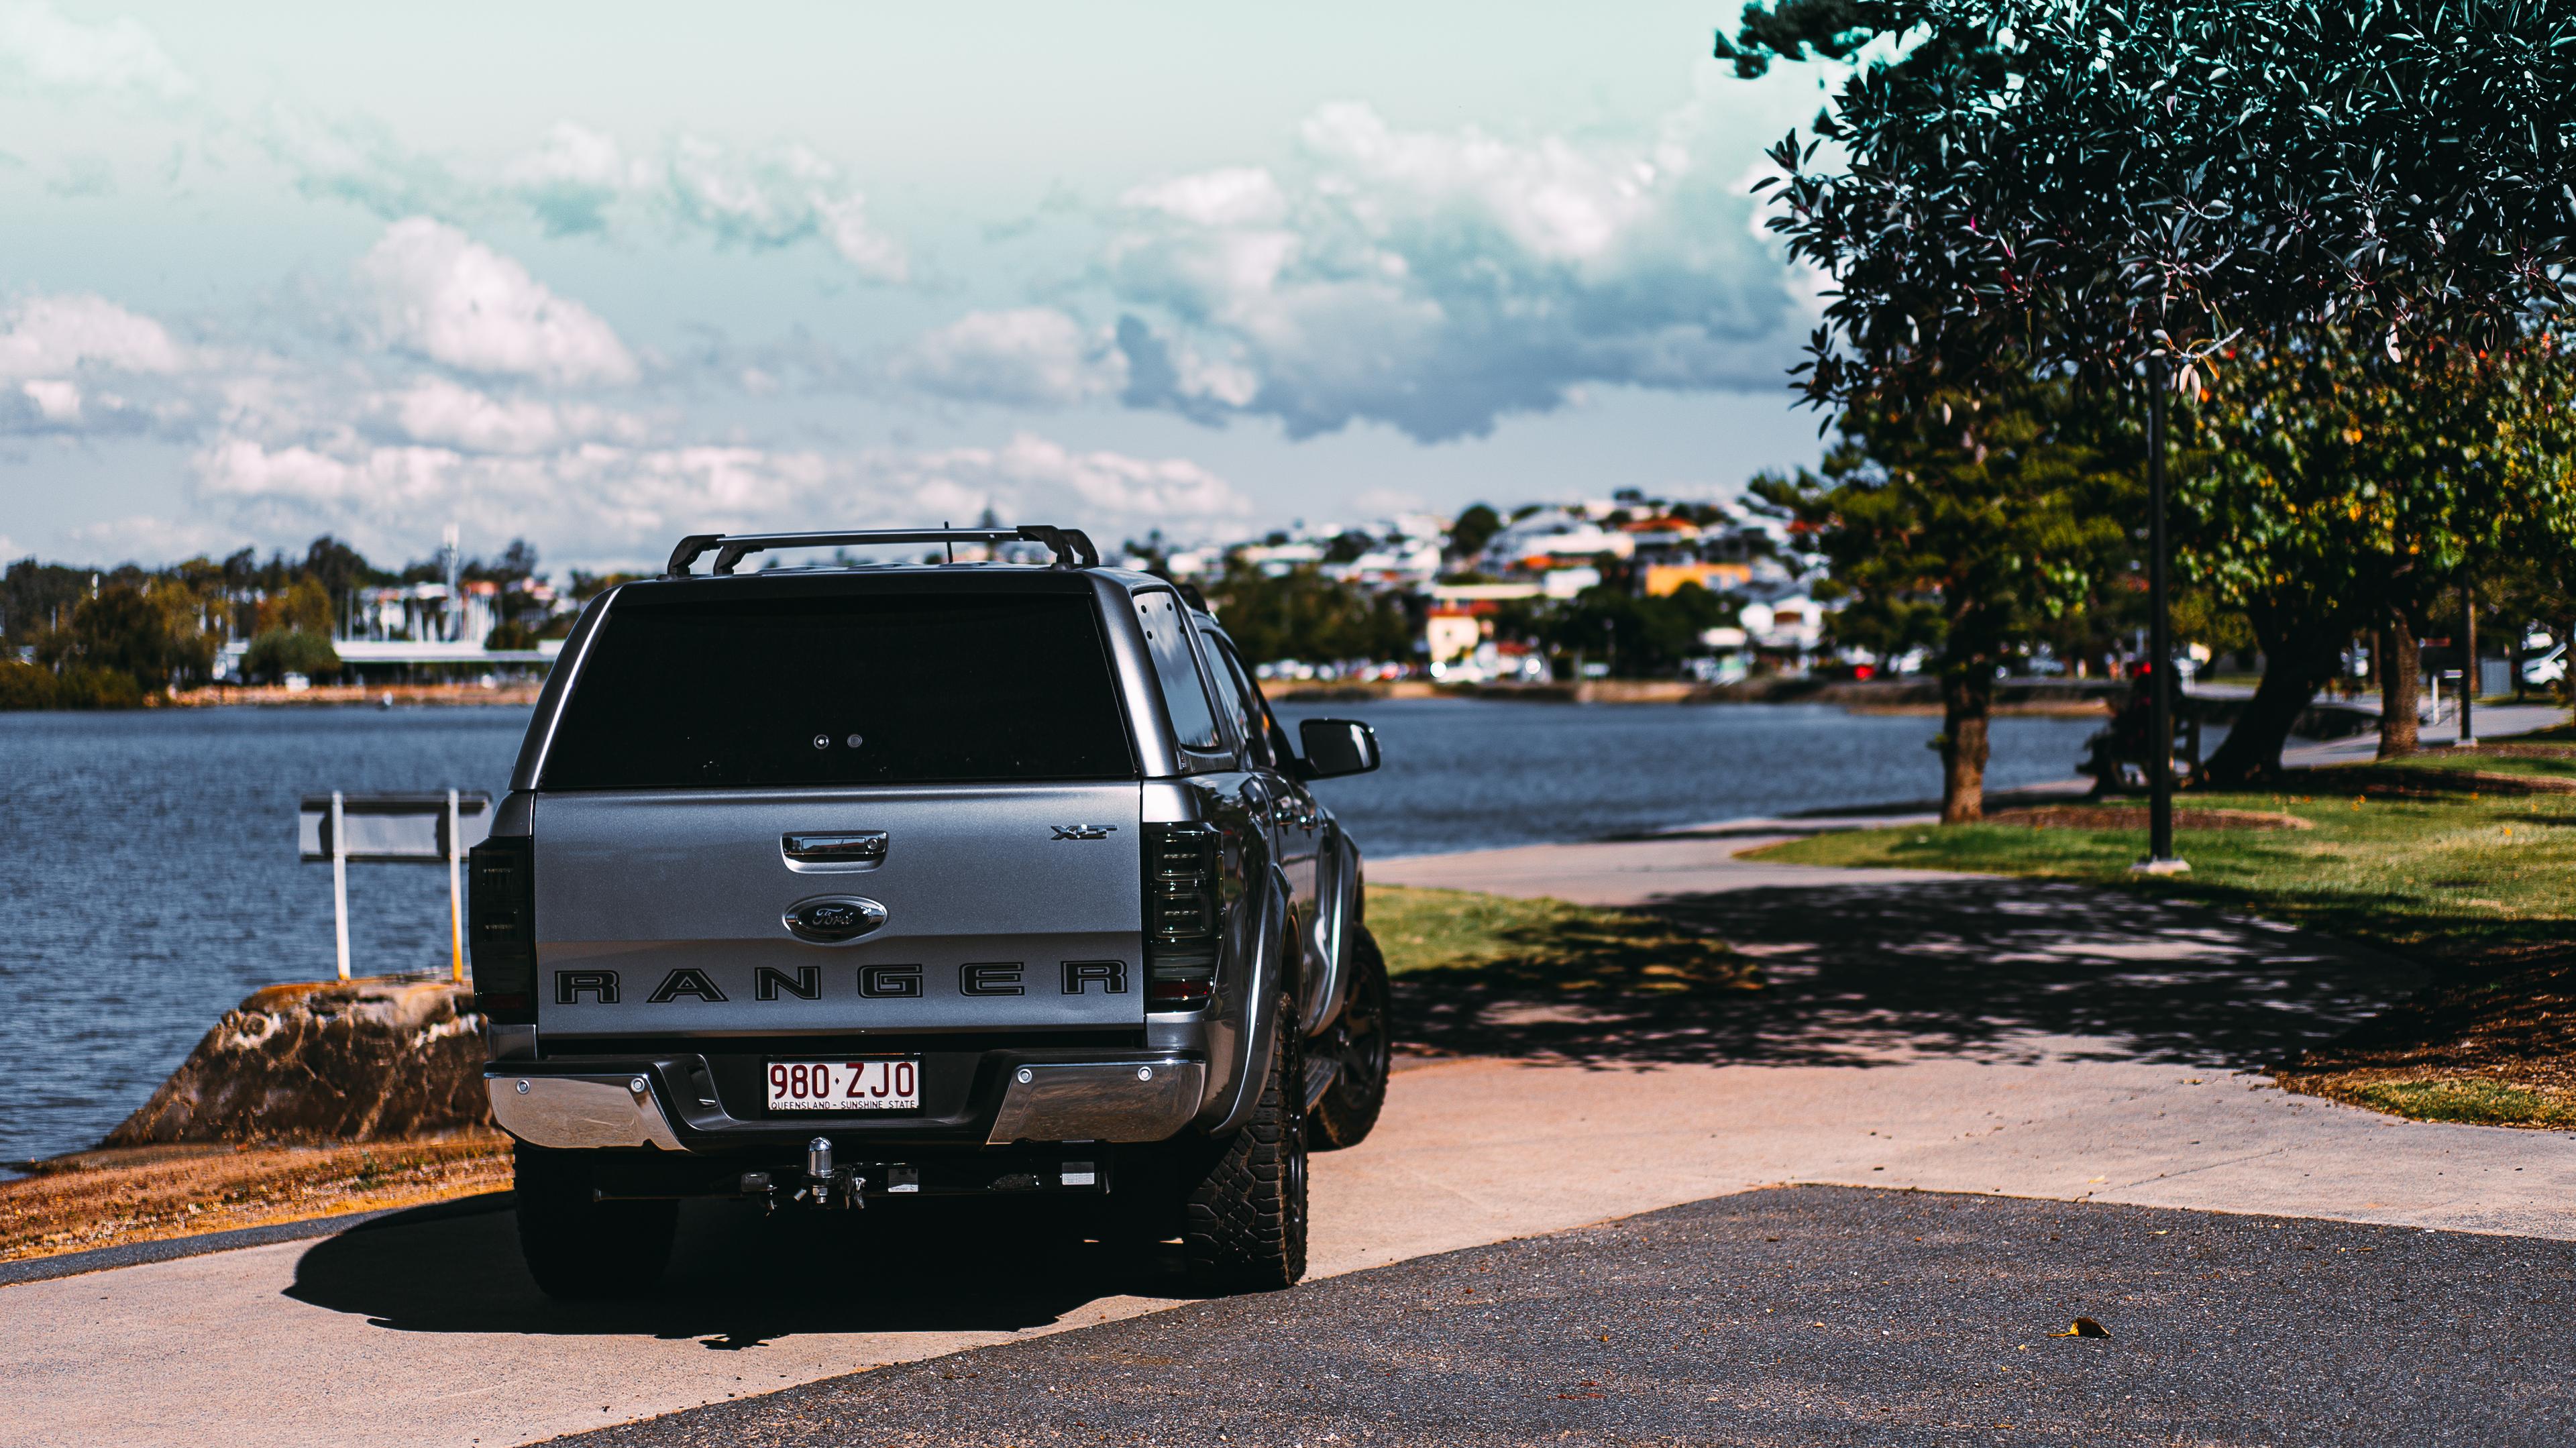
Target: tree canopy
2035,184
2327,488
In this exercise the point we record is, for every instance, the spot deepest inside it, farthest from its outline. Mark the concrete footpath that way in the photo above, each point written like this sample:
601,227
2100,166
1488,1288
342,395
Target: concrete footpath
1957,1034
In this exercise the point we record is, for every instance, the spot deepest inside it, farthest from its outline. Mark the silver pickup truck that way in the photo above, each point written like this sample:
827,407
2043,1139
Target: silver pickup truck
830,887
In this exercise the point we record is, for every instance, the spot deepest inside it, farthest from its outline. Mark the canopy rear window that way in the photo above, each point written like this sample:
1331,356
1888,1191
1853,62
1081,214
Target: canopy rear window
854,689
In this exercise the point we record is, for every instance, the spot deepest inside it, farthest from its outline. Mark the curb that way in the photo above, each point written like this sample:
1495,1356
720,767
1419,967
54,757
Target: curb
136,1254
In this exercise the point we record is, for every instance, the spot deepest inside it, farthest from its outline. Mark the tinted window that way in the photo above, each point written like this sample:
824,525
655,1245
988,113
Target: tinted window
1244,703
883,688
1167,638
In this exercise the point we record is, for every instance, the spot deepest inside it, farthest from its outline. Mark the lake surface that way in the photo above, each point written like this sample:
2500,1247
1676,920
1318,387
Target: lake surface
149,878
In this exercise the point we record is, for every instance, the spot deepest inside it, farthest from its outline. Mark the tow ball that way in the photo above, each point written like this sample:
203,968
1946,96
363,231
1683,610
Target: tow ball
827,1185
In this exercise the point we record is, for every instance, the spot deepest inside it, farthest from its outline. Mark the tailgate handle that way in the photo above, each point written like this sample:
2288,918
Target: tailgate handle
850,847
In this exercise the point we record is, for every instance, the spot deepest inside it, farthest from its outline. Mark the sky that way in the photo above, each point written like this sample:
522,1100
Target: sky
599,275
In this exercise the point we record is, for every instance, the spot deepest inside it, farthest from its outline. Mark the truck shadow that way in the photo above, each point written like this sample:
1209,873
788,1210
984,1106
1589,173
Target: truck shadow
1859,973
736,1280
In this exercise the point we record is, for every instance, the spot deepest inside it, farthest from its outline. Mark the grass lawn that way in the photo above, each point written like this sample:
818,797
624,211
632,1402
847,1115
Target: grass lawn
1549,943
2466,863
1486,975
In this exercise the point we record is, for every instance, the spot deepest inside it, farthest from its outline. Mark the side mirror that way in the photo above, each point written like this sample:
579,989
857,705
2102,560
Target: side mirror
1336,747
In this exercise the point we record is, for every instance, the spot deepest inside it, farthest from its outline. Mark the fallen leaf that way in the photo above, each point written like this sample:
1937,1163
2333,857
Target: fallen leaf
2084,1327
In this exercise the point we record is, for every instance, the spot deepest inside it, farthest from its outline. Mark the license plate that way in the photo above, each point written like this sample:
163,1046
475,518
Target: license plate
887,1083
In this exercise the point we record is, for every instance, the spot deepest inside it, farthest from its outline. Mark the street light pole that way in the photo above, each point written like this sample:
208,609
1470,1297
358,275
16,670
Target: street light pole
2160,856
2468,663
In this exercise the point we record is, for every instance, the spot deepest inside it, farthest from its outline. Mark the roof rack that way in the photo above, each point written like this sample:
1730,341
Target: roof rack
1071,546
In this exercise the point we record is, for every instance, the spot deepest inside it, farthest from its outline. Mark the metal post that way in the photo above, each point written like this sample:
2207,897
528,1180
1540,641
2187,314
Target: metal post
455,893
2160,856
2468,662
340,884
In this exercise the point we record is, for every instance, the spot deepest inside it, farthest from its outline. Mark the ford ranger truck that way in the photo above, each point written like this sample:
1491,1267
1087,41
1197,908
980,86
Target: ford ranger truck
820,887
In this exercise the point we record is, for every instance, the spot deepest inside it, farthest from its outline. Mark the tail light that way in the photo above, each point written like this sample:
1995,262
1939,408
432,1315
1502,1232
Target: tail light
1184,912
503,916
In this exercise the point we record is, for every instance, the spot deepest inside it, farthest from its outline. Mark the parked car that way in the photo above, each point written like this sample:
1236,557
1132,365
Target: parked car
820,887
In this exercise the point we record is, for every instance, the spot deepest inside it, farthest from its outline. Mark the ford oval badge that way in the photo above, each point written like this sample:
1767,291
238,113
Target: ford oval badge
833,919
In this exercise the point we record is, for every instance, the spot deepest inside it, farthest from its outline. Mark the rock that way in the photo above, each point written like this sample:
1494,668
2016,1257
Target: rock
340,1060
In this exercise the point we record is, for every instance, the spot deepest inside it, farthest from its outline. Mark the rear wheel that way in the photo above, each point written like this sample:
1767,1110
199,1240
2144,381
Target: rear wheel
1362,1045
1243,1217
578,1247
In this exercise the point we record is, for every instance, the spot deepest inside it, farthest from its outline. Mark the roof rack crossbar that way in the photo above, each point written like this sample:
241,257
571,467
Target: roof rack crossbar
1071,546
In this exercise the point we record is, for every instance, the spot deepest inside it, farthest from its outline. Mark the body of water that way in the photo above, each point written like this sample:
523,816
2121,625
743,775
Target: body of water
1468,773
149,877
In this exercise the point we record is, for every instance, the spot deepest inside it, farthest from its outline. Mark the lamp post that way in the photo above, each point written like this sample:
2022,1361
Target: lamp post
2160,856
2468,663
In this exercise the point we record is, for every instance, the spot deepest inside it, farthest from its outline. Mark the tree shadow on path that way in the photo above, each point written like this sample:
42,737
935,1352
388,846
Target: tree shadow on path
1862,973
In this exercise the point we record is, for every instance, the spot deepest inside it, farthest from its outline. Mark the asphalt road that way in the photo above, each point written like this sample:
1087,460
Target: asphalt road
1791,1316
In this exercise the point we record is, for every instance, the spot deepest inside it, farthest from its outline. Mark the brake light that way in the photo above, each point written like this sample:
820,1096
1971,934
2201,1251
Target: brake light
503,915
1184,911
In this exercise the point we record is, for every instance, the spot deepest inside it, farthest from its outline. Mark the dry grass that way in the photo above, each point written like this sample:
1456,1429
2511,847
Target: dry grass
145,1194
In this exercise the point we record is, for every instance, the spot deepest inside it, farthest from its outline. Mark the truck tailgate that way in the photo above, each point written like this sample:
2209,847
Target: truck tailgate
982,907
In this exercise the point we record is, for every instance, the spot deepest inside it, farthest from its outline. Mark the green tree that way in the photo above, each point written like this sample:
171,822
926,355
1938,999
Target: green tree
2330,488
280,652
126,632
340,569
2024,188
303,606
2028,183
1301,614
1476,526
2000,513
1638,636
36,598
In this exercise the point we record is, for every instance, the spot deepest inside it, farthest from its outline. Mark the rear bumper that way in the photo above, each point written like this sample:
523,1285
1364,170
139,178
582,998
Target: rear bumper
584,1111
1117,1097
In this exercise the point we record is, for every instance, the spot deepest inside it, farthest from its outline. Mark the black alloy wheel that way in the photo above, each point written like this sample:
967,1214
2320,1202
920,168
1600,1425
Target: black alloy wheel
1362,1044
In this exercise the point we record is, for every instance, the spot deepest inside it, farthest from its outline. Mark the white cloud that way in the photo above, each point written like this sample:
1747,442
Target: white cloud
43,51
56,401
56,336
147,537
443,413
1437,281
581,181
75,364
1033,475
574,180
442,295
775,199
1025,357
362,162
1228,196
596,500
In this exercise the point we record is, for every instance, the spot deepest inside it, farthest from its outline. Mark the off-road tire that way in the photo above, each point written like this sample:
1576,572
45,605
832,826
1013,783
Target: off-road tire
1362,1039
1243,1214
579,1248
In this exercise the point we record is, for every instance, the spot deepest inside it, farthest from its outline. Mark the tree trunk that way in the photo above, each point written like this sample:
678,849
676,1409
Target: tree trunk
2401,684
1967,701
2299,656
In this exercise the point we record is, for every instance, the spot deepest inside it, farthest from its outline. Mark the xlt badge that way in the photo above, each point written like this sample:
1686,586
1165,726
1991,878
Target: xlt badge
1081,832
